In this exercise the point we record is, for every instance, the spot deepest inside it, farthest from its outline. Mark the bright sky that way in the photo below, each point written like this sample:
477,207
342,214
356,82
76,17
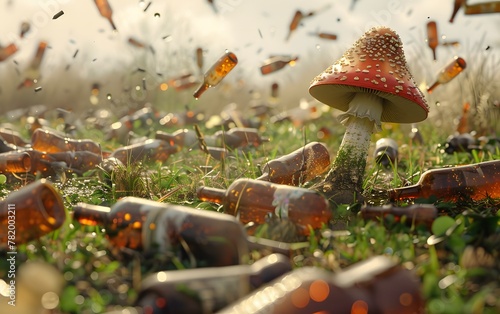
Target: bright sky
252,29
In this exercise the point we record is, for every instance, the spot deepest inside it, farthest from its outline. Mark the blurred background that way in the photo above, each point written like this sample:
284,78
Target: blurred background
87,64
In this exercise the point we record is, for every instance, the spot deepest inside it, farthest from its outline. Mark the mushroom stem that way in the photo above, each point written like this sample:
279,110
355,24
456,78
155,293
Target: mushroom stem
344,182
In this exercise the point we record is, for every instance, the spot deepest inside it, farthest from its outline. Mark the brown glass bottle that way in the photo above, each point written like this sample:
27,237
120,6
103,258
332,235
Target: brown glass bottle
105,11
463,122
236,138
456,6
199,58
207,290
30,212
15,162
376,285
448,73
325,36
214,239
300,166
182,138
183,82
48,164
12,137
6,52
149,150
386,152
475,181
50,142
297,17
482,8
217,72
432,37
253,200
276,63
415,214
32,74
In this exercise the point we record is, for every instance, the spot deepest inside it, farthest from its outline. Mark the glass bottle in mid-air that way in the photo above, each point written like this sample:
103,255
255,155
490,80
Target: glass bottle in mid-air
217,72
432,37
105,11
277,63
448,73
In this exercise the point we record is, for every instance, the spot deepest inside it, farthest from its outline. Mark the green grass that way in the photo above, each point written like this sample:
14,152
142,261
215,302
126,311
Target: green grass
459,273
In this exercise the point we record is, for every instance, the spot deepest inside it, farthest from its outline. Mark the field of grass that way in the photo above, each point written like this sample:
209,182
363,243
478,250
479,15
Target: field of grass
459,274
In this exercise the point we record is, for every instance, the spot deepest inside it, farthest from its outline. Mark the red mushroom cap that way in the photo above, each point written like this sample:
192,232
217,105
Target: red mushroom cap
375,64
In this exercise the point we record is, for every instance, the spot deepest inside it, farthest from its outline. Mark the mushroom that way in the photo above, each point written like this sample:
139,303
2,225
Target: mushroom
371,83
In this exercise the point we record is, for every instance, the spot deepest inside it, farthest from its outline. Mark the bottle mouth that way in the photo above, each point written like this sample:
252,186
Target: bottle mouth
51,206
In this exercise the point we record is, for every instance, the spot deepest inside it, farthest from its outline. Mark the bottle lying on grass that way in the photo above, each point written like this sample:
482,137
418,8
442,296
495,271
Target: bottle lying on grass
300,166
253,200
15,162
475,181
29,213
207,290
149,150
211,238
50,142
376,285
415,214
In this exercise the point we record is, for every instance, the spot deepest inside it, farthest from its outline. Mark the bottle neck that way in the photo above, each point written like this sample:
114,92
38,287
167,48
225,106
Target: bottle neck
91,215
407,192
203,87
211,194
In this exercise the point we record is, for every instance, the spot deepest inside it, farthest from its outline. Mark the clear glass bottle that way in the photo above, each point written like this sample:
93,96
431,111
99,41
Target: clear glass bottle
207,290
300,166
6,52
217,72
448,73
15,162
149,150
415,214
432,37
254,200
475,181
105,11
50,142
29,213
277,63
375,285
